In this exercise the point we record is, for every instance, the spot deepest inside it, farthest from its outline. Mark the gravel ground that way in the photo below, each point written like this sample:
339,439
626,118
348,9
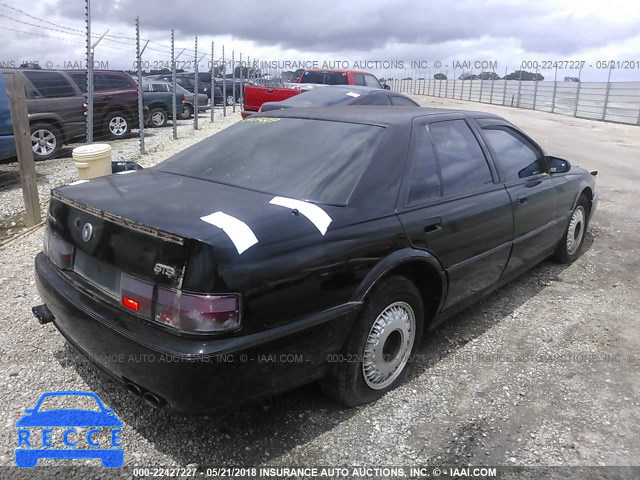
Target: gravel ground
543,372
159,144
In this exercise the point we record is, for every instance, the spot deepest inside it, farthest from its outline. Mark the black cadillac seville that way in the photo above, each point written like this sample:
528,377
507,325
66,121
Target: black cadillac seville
297,245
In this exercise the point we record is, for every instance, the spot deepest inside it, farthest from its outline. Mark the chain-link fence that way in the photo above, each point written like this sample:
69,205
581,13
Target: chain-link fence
607,101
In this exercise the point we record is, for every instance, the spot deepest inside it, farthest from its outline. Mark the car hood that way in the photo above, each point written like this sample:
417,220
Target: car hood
69,418
183,206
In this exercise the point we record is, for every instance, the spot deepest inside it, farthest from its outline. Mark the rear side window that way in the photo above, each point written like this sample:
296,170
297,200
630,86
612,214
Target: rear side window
402,102
80,80
425,182
375,100
515,157
104,81
462,163
51,84
371,81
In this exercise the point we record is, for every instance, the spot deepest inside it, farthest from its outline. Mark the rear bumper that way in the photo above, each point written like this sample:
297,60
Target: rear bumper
223,372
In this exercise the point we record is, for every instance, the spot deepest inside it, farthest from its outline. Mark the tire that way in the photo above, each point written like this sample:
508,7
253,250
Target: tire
158,117
187,112
117,124
46,141
369,368
570,247
231,100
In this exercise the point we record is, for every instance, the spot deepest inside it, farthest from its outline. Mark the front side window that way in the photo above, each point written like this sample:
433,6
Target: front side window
515,157
358,79
305,159
462,162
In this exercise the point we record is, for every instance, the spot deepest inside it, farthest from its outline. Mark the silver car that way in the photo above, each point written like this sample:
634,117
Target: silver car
189,98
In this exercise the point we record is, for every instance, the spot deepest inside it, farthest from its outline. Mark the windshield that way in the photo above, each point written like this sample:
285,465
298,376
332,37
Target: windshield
314,160
329,78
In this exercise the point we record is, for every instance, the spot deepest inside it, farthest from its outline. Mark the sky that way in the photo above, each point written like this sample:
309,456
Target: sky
438,35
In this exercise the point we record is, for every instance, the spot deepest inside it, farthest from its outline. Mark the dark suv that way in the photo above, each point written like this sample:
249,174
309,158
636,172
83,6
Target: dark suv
56,103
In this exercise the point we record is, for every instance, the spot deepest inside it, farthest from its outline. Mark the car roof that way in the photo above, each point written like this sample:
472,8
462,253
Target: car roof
369,114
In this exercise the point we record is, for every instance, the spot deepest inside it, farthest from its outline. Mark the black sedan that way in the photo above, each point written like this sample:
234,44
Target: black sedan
334,95
299,245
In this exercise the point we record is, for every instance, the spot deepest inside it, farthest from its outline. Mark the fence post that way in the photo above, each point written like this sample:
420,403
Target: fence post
195,87
89,79
174,96
24,150
606,95
555,88
213,81
241,81
504,91
429,87
493,81
140,97
535,89
470,86
519,89
224,85
575,107
233,78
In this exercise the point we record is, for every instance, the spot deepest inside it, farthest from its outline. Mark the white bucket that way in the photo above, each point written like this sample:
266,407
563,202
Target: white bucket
92,160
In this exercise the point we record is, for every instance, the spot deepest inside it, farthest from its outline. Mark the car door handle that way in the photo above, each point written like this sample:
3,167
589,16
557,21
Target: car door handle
533,183
432,225
522,200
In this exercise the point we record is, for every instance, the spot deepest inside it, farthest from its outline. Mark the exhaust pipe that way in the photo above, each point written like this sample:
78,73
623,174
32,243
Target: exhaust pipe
134,389
153,400
43,314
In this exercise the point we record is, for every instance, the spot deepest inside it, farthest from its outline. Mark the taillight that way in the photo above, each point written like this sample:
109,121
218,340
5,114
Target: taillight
137,295
85,108
189,312
61,253
197,313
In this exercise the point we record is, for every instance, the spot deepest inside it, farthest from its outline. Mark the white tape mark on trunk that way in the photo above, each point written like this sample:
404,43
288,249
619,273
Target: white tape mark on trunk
78,182
238,231
125,172
314,213
353,94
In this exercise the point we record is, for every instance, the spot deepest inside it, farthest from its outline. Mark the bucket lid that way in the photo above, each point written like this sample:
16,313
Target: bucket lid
93,149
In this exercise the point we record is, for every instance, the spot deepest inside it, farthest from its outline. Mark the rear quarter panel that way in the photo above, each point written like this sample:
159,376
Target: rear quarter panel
254,96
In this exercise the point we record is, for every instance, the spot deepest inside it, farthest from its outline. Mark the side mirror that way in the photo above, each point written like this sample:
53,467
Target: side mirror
386,87
558,165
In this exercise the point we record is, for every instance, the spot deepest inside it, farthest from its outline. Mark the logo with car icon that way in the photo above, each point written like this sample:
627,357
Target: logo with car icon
69,433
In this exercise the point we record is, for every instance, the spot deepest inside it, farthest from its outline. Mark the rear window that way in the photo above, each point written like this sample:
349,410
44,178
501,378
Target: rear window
328,78
323,96
316,160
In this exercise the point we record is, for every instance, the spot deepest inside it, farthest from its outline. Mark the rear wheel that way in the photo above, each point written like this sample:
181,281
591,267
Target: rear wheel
187,111
158,117
46,141
117,124
570,247
377,353
230,99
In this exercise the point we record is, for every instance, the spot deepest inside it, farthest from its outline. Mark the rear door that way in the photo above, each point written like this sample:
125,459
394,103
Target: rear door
534,194
453,206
